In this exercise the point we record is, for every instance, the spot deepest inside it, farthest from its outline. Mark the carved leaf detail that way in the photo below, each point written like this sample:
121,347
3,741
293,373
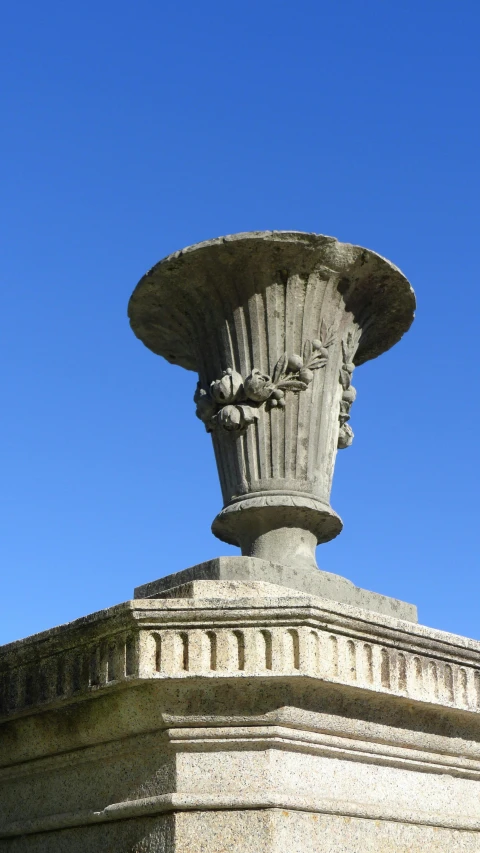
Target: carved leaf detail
292,385
315,363
280,368
249,414
307,352
345,379
326,334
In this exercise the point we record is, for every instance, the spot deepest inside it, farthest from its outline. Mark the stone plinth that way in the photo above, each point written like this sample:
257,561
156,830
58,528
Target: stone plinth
313,582
236,717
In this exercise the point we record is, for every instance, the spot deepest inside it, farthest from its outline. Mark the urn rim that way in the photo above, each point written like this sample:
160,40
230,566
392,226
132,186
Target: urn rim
161,295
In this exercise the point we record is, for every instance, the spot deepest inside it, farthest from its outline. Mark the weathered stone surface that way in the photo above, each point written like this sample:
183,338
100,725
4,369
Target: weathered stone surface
250,569
273,830
274,323
246,716
252,703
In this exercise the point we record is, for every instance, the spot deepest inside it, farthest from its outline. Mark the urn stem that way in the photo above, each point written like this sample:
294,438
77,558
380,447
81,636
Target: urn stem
287,546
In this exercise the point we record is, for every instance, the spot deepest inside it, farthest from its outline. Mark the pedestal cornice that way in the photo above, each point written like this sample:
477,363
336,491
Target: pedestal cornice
266,636
169,721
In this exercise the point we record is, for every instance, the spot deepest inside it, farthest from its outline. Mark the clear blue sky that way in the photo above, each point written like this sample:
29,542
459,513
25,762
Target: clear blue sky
130,130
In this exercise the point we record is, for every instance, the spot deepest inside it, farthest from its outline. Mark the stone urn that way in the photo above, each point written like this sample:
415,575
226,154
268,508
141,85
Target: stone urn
274,323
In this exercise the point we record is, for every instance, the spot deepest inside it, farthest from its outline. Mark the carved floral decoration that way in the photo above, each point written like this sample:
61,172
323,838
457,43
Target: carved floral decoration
232,403
345,434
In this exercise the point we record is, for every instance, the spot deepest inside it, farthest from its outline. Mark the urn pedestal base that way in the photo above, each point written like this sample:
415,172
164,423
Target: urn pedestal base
282,529
240,717
309,580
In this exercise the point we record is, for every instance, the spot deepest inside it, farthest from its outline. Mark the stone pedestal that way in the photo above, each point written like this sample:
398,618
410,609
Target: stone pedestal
252,704
240,716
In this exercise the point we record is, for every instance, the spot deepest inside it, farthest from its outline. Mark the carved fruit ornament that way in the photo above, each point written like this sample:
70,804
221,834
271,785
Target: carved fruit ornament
232,403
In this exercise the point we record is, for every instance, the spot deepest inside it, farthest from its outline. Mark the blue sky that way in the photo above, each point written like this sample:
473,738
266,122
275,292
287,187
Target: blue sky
131,130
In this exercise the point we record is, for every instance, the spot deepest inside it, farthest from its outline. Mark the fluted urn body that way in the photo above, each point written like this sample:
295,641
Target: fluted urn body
274,323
